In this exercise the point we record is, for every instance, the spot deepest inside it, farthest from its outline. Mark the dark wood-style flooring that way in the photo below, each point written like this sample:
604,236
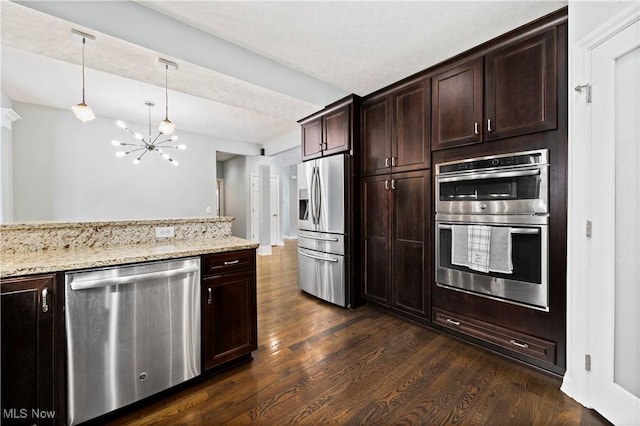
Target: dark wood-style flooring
321,364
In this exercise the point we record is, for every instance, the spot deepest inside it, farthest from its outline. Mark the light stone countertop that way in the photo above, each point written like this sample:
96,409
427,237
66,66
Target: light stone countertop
47,261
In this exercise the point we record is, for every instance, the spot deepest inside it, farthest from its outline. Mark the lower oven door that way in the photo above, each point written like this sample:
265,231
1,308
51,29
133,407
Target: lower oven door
526,285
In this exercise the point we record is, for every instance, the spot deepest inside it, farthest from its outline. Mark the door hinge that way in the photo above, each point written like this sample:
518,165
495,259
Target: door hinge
587,362
587,89
588,229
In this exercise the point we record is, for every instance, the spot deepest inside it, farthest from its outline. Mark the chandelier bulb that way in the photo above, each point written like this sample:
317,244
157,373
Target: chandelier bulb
121,124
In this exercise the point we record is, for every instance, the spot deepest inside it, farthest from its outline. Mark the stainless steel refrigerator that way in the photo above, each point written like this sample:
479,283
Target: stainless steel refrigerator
323,222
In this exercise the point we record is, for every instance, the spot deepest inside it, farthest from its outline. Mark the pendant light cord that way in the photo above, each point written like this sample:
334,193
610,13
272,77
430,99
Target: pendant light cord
84,41
166,91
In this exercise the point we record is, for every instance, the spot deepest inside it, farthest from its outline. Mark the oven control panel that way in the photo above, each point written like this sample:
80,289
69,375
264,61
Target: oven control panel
519,159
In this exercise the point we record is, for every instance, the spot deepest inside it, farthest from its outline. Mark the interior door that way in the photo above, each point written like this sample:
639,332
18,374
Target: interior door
614,271
275,210
255,208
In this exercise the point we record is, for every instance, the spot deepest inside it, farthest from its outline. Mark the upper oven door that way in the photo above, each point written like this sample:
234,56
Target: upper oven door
522,190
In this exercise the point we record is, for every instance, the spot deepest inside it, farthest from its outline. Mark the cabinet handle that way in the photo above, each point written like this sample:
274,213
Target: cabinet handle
210,300
489,129
393,184
234,262
475,128
518,344
393,161
450,321
386,185
45,305
386,162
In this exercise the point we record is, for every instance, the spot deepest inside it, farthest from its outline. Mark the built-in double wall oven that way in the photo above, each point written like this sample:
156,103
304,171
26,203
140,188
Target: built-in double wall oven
492,236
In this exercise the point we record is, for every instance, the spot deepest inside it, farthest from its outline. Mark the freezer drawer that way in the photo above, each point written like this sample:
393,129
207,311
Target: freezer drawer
320,241
322,275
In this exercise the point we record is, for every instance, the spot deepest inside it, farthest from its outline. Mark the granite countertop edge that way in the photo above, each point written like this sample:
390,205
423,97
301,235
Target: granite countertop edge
50,261
106,223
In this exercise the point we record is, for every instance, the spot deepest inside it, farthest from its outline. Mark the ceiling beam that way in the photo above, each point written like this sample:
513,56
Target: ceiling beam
140,25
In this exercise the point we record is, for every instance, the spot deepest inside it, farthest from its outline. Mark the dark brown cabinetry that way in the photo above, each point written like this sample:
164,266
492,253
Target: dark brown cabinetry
395,130
229,307
514,94
28,357
396,244
329,131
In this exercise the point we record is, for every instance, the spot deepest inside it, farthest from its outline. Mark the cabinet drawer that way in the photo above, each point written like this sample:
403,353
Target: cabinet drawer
221,263
508,339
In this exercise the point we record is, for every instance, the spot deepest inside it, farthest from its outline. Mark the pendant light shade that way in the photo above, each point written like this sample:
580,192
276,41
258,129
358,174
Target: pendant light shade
166,127
82,110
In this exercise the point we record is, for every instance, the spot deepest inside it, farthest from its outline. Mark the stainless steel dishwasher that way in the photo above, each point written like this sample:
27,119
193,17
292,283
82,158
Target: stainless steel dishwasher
132,331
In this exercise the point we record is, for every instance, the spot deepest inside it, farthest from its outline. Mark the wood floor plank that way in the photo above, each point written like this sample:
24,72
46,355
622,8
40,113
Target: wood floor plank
317,363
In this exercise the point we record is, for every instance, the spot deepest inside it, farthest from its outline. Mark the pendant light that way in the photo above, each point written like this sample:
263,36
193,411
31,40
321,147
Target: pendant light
82,110
166,127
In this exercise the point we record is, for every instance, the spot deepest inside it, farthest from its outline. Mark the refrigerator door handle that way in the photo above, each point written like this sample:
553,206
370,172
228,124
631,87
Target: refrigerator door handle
312,198
319,195
323,259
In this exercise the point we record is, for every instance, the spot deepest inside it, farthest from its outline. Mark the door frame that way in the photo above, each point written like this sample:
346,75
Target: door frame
253,200
577,380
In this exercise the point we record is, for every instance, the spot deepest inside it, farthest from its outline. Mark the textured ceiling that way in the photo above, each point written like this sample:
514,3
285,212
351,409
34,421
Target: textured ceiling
355,47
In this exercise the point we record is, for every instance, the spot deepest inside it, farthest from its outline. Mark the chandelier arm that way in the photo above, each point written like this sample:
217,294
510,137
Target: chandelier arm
142,155
136,150
156,138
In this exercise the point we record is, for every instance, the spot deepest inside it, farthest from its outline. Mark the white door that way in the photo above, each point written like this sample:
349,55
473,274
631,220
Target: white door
274,207
255,211
614,248
275,210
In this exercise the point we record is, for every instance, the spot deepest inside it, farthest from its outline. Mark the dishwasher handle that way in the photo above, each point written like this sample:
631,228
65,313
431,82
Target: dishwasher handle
130,279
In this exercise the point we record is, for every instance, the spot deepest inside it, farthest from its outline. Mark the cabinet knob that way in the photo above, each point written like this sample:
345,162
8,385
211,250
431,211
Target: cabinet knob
210,300
393,184
386,185
475,128
386,162
393,161
489,129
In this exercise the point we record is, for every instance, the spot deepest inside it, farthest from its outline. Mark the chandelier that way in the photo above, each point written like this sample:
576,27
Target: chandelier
140,148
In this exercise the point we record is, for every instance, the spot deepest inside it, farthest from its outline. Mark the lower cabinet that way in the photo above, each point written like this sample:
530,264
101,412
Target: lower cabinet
396,241
229,310
511,340
28,358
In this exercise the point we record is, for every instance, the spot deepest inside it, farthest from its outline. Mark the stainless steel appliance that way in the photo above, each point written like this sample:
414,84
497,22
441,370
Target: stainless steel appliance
322,228
132,331
500,201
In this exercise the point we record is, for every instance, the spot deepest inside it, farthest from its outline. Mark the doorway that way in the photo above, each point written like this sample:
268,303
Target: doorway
274,187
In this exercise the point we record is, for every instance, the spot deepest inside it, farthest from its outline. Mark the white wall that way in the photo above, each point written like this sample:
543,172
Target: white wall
66,170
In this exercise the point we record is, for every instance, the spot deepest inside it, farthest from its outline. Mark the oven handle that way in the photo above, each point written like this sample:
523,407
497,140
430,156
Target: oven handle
496,175
513,230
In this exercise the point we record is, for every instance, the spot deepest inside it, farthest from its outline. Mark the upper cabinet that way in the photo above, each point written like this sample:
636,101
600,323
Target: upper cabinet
395,130
513,94
331,130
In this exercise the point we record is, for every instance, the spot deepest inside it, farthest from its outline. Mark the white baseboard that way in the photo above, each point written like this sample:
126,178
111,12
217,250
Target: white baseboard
264,251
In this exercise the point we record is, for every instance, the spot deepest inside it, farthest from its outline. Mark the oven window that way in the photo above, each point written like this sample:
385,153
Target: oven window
526,257
511,188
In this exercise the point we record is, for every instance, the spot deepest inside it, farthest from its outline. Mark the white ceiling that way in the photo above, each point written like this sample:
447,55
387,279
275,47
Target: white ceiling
247,70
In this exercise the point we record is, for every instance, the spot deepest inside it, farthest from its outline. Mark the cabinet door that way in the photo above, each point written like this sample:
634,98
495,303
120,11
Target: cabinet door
230,319
521,93
376,137
337,131
410,242
312,139
410,148
376,223
456,110
28,358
